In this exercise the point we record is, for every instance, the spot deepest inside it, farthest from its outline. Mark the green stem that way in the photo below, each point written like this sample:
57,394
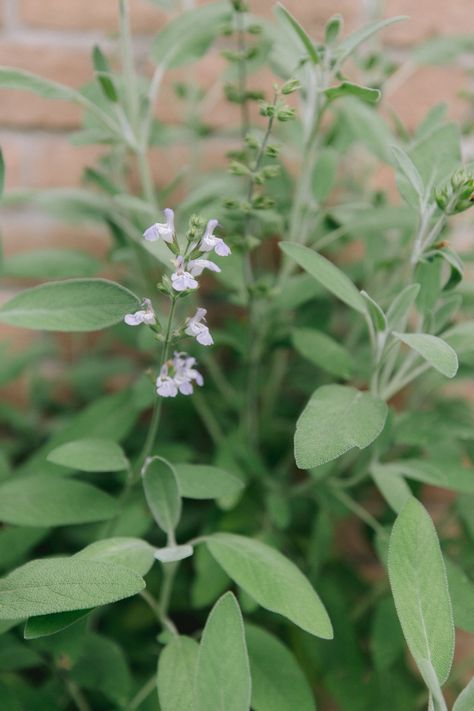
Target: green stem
358,510
208,418
126,52
76,695
169,574
242,69
142,694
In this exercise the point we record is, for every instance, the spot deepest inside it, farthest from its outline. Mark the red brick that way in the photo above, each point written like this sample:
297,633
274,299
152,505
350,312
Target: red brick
13,153
428,18
54,162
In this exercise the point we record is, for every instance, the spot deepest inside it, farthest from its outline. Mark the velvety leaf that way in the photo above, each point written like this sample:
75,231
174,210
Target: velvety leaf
90,455
12,78
46,500
399,309
306,41
419,586
198,481
323,351
176,672
376,314
162,493
132,553
223,656
434,350
409,170
465,700
347,47
393,488
386,641
72,305
60,584
272,580
51,264
348,88
336,419
326,273
286,690
445,475
461,589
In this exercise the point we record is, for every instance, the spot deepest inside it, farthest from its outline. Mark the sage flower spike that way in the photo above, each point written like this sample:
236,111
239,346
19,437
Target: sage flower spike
198,330
162,230
182,280
145,315
211,242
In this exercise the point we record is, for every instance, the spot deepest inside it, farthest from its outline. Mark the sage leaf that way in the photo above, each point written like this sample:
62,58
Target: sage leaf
197,481
272,580
397,313
323,351
336,419
409,170
60,584
347,47
326,273
90,455
46,625
442,474
386,641
11,78
48,500
465,700
418,579
162,493
176,671
51,264
375,312
133,553
102,667
71,305
286,690
461,589
436,699
306,41
393,488
222,680
348,88
434,350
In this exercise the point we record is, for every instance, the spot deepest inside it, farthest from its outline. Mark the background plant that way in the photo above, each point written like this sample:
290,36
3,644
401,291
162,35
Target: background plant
200,493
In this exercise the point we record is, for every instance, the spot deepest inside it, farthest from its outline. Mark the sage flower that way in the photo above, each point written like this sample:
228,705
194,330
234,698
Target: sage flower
211,242
145,315
185,373
182,280
162,230
165,385
198,330
197,266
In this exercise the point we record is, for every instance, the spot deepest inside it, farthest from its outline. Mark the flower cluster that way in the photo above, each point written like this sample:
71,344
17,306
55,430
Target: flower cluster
177,375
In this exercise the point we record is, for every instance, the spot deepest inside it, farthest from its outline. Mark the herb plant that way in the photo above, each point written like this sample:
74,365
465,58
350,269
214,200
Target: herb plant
228,514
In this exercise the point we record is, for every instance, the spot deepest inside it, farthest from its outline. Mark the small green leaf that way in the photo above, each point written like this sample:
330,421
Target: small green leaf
347,88
323,351
393,488
223,656
72,305
306,41
336,419
445,475
286,690
398,311
465,700
376,313
90,455
347,47
197,481
60,584
162,493
51,264
104,75
420,590
409,170
176,671
333,29
11,78
434,350
48,500
326,273
272,580
102,667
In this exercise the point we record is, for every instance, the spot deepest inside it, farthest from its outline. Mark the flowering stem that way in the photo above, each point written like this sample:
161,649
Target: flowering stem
242,69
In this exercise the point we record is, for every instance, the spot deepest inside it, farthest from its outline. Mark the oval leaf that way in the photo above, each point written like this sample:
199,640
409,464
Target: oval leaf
176,671
326,273
72,305
90,455
272,580
420,590
198,481
465,700
162,494
434,350
46,500
336,419
222,675
61,584
323,351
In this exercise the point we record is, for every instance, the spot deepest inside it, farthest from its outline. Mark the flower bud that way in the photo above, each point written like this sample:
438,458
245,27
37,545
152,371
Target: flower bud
290,86
286,113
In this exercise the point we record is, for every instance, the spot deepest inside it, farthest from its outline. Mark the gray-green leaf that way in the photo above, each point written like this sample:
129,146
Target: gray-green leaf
176,671
420,590
131,553
272,580
162,493
223,676
90,455
199,481
465,700
434,350
336,419
323,351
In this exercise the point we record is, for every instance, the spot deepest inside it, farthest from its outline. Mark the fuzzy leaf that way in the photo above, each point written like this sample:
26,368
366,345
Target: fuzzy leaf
162,493
176,671
197,481
465,700
131,553
90,455
348,88
323,351
434,350
306,41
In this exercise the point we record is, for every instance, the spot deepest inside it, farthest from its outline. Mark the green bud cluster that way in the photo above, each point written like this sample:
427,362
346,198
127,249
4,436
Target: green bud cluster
457,195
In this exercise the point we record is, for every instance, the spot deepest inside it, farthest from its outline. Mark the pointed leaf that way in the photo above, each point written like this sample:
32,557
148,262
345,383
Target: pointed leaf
131,553
162,493
272,580
348,88
434,350
176,671
306,41
11,78
351,43
46,625
90,455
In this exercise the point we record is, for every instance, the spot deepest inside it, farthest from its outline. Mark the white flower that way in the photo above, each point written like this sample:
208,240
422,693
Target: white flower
165,385
196,328
146,315
181,279
185,373
162,230
197,266
210,242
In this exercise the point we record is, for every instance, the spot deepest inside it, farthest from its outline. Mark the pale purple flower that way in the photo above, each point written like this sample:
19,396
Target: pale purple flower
197,266
181,279
211,242
196,328
185,373
162,230
145,315
165,385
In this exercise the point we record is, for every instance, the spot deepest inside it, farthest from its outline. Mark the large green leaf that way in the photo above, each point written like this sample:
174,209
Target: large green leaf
51,264
336,419
393,488
59,584
198,481
222,680
72,305
272,580
102,666
323,351
326,273
420,590
445,475
90,455
46,500
434,350
162,493
132,553
286,690
176,671
12,78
